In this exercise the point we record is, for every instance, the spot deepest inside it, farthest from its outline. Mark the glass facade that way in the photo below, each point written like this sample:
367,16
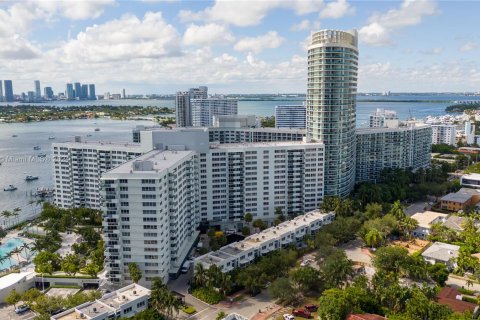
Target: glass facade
331,104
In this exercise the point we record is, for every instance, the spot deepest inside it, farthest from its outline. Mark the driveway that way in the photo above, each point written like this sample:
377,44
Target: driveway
417,207
461,283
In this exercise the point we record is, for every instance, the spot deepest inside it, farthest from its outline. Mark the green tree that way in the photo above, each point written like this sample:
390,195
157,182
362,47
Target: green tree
282,289
221,315
438,272
373,238
421,307
92,269
13,298
390,259
135,272
199,275
373,210
162,300
335,269
248,217
397,210
330,203
46,262
258,223
333,305
70,264
307,278
246,231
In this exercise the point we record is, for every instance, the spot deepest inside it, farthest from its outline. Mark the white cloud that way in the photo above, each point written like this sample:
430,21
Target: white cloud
337,9
433,51
123,39
18,48
208,34
469,46
380,26
305,25
247,13
269,40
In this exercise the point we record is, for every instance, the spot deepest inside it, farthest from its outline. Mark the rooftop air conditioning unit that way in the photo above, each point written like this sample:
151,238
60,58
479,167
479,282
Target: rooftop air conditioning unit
82,316
94,309
134,292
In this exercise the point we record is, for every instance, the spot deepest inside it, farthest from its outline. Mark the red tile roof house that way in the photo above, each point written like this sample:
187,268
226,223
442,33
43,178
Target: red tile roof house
365,316
452,297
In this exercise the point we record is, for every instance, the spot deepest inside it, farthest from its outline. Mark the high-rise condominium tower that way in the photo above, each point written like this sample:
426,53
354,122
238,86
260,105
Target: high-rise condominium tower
8,90
38,91
331,99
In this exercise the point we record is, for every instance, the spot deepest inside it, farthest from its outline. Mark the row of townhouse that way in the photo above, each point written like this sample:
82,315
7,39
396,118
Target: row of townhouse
242,253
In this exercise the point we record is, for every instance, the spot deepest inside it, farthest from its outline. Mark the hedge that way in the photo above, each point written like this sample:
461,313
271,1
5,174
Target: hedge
188,309
208,295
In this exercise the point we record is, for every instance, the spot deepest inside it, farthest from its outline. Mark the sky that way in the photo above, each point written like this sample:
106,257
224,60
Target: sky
235,46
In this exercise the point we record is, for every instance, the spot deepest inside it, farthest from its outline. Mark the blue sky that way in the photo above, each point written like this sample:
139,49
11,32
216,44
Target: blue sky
235,46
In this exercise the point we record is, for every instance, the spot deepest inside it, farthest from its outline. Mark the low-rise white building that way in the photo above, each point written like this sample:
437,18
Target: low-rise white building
242,253
123,303
380,117
440,252
425,221
204,110
471,180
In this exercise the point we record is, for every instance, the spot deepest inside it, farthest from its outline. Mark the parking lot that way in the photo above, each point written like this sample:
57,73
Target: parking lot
8,313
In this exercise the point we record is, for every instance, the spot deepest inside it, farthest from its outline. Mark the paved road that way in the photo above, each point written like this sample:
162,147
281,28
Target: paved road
8,313
455,282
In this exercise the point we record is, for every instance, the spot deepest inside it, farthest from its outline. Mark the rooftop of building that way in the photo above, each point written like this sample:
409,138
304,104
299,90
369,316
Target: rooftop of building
452,297
180,129
13,278
410,126
105,144
426,218
455,223
108,303
263,144
475,176
154,161
456,197
441,251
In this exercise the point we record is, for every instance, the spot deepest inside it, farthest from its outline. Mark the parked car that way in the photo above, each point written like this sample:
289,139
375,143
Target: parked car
186,266
288,317
311,307
22,309
301,313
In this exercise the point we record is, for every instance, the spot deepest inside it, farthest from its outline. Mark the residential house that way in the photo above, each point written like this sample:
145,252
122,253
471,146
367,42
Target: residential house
440,252
460,200
452,298
425,221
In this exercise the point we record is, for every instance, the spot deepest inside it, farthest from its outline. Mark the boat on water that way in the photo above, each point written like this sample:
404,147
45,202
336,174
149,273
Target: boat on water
10,187
42,155
14,136
97,129
89,135
36,148
51,138
31,178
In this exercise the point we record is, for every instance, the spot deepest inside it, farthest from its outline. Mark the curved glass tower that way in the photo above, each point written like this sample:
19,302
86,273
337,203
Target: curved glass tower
331,99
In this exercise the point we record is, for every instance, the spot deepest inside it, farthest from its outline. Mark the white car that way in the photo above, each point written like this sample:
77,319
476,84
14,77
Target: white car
288,317
22,309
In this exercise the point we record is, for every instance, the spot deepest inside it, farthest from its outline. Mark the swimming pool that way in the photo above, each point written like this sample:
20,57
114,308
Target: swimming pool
7,247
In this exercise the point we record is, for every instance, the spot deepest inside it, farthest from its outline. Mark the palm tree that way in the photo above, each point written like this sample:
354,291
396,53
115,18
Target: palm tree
6,214
225,283
213,275
17,252
16,212
407,225
199,275
162,300
397,210
373,238
26,248
469,283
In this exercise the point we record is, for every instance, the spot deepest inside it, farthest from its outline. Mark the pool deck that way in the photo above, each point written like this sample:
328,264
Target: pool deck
20,258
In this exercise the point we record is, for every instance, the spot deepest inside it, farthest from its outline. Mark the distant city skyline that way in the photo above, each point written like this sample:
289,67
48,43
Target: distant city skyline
233,46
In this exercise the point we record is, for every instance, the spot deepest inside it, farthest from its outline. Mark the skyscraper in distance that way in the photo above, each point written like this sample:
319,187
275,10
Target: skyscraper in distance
84,94
91,92
69,92
38,91
78,90
124,96
48,92
1,90
331,104
8,90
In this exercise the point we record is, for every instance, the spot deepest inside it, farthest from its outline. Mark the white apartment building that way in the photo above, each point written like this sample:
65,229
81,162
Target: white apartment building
444,134
406,146
122,303
183,106
149,214
471,180
291,116
380,117
79,165
258,178
236,121
236,178
242,253
204,110
469,133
